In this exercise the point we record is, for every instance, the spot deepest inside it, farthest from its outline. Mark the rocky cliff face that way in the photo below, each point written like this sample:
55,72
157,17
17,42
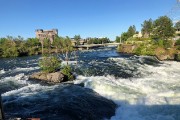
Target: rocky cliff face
127,48
161,53
165,54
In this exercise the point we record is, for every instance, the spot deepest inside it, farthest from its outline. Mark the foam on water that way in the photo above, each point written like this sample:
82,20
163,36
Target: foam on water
63,63
153,96
17,70
28,90
2,71
25,69
21,78
13,79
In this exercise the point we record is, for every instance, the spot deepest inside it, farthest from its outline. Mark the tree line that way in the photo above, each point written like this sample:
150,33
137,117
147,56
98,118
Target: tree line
161,28
98,40
90,40
18,46
158,38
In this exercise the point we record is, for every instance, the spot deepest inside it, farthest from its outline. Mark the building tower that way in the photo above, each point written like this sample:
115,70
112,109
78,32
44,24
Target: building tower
46,34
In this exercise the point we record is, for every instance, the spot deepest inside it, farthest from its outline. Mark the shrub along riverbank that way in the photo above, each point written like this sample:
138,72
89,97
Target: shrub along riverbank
158,38
162,49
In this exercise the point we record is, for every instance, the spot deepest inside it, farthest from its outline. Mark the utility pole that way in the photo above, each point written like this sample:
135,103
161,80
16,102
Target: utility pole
120,39
119,42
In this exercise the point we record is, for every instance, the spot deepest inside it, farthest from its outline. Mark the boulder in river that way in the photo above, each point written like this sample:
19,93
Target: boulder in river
55,77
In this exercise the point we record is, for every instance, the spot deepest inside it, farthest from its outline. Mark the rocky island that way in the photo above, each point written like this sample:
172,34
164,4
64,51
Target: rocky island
51,71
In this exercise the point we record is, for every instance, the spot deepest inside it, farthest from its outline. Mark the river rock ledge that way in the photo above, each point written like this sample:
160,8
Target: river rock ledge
56,77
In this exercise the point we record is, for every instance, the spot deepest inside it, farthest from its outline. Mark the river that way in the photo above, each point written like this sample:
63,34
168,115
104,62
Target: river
141,87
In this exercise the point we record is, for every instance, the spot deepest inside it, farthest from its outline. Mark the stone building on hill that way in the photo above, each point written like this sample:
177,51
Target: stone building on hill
46,34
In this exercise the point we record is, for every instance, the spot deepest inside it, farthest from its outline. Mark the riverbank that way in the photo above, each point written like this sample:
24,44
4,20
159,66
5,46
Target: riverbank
151,48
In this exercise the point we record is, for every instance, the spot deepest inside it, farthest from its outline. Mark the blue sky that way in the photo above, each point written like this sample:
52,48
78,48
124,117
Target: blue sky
89,18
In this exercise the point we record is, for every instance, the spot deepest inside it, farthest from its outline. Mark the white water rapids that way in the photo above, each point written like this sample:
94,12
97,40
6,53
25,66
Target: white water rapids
151,97
151,93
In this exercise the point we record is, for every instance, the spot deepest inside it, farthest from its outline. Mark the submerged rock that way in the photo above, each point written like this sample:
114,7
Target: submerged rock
55,77
64,102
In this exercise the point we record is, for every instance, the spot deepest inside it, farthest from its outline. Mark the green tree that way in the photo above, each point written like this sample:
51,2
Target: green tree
1,51
95,41
67,46
20,38
147,27
117,39
104,40
124,36
177,25
2,40
131,31
77,39
90,41
163,28
10,37
68,72
32,42
56,42
21,47
47,45
49,64
143,49
9,48
177,42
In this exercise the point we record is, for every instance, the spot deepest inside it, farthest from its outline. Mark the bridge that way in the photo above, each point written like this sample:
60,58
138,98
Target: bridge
90,46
